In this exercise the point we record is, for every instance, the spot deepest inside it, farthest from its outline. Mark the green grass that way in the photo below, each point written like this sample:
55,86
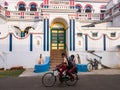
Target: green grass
10,73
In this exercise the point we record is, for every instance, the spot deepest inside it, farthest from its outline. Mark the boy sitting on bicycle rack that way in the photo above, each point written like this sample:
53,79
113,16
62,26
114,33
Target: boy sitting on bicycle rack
71,67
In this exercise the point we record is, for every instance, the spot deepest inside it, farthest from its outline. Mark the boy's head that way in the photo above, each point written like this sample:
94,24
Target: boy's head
72,56
63,54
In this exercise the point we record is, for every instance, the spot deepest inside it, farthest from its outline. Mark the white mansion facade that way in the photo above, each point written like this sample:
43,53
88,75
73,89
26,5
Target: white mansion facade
29,28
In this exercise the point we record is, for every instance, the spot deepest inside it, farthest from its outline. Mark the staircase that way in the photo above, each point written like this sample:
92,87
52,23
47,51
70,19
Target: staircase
55,56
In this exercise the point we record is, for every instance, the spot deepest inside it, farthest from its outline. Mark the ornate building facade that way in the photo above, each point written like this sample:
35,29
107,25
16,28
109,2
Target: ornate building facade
29,28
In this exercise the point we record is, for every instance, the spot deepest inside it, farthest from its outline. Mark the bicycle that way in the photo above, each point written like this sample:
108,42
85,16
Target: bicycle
50,78
93,63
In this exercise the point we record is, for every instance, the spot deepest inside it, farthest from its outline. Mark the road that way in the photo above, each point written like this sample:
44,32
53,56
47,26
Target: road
86,82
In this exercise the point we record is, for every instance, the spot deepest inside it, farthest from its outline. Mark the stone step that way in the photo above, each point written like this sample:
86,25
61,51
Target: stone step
55,57
55,61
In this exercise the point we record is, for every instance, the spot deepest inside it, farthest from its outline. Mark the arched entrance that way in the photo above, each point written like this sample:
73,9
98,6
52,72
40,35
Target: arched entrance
58,36
58,30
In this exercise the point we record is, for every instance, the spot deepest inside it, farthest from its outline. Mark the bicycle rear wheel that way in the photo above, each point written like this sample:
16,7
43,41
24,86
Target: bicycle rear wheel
48,79
89,67
69,81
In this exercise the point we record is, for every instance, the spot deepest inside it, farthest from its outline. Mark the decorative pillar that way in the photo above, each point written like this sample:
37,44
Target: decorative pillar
7,14
44,28
104,42
22,33
72,35
77,15
10,42
46,34
86,42
72,4
31,42
36,14
46,3
89,16
102,16
22,14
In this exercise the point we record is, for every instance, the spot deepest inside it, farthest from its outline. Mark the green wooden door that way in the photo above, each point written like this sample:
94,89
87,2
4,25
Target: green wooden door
58,38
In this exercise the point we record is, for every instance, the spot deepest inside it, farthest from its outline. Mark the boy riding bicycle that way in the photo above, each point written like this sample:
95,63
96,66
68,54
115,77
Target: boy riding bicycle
67,65
63,66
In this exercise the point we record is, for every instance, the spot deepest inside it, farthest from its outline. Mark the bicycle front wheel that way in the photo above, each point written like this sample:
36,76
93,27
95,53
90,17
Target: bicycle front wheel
48,79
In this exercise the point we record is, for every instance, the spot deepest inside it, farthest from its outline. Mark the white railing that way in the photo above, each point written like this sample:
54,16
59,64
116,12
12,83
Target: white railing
112,11
89,16
59,6
20,15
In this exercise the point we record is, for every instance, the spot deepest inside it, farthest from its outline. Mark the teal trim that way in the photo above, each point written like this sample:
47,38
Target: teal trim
86,42
44,27
31,42
104,42
10,42
22,34
70,35
73,35
48,35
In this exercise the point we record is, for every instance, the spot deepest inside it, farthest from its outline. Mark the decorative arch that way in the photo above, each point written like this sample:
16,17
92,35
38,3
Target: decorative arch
21,6
21,2
59,20
88,5
33,6
33,3
88,8
57,24
79,7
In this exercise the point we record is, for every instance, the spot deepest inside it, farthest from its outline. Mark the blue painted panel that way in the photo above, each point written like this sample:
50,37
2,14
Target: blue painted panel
43,67
82,67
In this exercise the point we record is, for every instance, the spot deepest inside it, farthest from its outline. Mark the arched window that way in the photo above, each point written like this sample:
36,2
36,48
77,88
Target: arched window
22,7
88,9
79,7
33,7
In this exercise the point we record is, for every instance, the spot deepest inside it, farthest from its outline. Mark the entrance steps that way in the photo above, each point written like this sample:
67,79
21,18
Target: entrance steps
56,58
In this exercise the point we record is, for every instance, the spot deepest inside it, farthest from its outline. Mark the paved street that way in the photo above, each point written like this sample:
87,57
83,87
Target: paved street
86,82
